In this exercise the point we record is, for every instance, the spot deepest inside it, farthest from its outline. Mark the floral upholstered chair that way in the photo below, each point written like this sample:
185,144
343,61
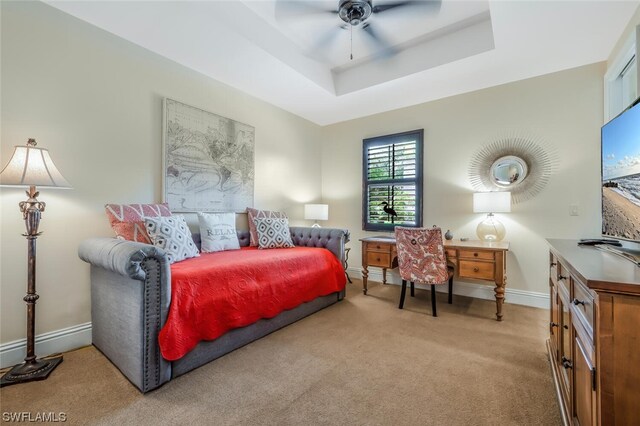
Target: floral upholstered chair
421,259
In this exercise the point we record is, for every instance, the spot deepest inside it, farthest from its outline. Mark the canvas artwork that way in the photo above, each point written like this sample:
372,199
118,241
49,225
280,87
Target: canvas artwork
208,160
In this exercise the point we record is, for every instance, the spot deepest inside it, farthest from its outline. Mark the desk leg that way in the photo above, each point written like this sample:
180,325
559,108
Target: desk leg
499,290
384,275
501,283
365,276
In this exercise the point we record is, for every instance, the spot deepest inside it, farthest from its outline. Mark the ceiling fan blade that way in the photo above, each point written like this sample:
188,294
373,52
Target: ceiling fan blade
289,9
432,5
325,39
386,50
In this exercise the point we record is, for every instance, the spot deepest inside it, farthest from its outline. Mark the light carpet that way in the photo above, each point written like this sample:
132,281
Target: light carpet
360,361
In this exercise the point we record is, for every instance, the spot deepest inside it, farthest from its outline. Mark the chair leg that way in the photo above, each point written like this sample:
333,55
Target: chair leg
413,290
451,290
402,293
433,300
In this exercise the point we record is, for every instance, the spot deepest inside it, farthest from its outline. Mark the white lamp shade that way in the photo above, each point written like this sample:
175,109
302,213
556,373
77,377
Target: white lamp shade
316,211
492,202
32,166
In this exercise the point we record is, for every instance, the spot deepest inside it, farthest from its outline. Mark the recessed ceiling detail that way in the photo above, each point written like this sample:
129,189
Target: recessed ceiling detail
458,47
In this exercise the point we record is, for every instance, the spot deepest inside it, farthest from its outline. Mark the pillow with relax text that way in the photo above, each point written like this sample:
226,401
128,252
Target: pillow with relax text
173,236
273,233
127,220
259,214
218,232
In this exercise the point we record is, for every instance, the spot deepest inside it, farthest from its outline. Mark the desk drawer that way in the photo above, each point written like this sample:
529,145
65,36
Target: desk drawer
477,254
379,247
378,259
477,270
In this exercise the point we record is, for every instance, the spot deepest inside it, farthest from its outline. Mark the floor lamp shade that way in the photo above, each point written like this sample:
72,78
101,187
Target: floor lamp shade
316,212
31,166
491,229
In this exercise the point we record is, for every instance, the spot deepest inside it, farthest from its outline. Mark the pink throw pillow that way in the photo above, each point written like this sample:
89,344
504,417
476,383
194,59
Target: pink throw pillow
127,220
260,214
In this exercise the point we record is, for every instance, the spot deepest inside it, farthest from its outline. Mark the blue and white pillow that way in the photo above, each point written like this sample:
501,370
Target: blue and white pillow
273,233
173,236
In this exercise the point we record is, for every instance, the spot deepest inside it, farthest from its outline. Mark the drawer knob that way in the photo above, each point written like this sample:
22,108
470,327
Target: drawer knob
566,363
378,259
578,302
476,269
560,277
552,264
475,254
553,324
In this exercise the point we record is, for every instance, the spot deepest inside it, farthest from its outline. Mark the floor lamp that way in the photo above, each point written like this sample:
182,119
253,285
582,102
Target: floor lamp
31,166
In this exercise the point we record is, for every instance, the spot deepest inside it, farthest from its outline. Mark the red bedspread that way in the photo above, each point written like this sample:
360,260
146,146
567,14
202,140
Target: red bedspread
217,292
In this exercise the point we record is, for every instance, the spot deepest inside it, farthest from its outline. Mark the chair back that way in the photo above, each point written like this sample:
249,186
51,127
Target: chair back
421,255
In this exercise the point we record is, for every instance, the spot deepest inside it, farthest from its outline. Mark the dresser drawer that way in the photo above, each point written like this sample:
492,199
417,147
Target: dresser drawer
470,254
450,253
378,259
477,270
379,247
582,304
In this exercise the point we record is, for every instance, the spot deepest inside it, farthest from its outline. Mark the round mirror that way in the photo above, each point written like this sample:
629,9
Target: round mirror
508,171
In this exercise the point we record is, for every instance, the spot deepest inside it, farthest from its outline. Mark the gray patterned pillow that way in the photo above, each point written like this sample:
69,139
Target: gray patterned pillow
173,236
273,233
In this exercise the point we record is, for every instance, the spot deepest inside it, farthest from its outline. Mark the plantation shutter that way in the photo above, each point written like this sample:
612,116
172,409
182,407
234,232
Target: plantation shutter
392,174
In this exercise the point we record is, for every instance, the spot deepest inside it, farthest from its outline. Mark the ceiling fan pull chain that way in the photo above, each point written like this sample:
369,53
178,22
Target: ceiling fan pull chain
351,32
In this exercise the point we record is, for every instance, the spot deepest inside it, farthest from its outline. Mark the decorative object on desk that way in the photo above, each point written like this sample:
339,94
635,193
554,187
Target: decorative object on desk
208,160
31,166
448,235
520,164
491,229
389,210
316,212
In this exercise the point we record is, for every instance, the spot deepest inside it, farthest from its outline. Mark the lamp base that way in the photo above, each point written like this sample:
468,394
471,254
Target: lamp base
316,225
490,229
38,369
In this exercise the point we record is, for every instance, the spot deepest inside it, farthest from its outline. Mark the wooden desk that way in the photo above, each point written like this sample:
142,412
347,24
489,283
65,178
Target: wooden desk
472,259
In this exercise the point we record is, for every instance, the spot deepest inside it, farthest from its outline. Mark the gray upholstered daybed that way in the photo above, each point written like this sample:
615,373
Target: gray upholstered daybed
130,299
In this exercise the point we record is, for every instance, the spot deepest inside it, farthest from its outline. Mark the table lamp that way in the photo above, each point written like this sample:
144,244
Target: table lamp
316,212
490,229
31,166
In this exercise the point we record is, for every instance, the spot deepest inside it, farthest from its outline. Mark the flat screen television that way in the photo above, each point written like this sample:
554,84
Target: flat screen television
621,175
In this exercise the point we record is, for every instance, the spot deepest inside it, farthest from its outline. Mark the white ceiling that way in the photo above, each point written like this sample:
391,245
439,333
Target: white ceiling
466,46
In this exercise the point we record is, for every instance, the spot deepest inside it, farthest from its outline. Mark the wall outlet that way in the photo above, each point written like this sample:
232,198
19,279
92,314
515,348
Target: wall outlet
573,210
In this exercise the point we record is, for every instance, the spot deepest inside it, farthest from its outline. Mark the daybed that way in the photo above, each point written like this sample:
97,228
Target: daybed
131,298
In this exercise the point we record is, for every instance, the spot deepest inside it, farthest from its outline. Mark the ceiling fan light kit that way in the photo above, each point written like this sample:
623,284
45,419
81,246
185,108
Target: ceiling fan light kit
354,12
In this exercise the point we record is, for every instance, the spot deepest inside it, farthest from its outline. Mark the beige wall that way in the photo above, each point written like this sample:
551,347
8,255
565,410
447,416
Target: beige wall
565,109
96,101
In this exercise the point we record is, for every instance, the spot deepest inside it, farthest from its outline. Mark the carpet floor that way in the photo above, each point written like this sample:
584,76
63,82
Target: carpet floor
361,361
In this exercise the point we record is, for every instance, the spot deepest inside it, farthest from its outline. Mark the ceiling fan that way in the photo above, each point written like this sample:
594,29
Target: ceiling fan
354,14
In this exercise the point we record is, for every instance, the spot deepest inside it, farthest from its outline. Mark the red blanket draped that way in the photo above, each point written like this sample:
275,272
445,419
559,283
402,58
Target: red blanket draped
217,292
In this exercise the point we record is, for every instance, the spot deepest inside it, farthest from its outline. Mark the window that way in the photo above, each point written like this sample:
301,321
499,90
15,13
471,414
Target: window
392,181
621,80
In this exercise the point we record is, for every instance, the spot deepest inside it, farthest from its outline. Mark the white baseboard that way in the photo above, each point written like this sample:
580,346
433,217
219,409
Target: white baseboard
62,340
469,289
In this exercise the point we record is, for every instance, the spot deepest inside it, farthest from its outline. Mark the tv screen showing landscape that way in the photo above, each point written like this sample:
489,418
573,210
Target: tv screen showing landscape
621,176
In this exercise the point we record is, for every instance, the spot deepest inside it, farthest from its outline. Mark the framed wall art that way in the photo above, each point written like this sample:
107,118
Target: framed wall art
208,160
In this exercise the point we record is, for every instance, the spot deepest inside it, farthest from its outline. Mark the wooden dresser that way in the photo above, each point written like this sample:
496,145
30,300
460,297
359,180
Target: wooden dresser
594,343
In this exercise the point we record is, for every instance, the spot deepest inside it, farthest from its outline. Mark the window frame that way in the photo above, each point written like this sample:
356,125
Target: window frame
386,140
613,85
